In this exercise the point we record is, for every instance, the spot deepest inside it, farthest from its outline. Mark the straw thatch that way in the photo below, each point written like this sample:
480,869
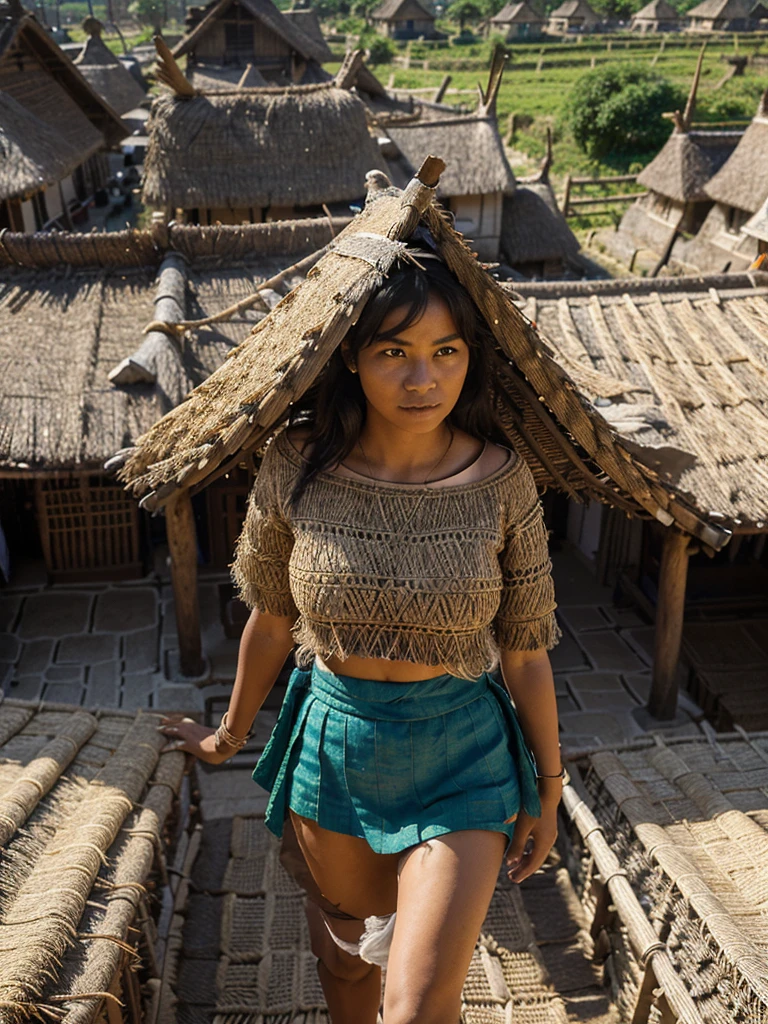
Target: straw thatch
240,405
306,19
533,230
32,154
658,14
686,163
722,13
574,13
265,12
685,379
684,821
520,13
111,79
40,77
74,852
394,10
757,225
743,180
298,146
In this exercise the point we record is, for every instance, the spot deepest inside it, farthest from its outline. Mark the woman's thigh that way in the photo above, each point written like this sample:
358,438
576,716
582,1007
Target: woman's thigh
348,873
445,889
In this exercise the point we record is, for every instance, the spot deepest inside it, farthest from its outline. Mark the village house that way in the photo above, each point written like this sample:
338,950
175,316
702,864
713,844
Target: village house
306,19
757,228
57,127
227,35
107,75
720,16
404,19
220,156
518,21
657,16
573,16
738,189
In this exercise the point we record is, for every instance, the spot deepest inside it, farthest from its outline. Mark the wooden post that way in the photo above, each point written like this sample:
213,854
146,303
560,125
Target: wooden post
566,195
662,702
182,541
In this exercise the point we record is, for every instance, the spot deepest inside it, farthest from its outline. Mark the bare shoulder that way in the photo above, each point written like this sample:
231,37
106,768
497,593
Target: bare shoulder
496,456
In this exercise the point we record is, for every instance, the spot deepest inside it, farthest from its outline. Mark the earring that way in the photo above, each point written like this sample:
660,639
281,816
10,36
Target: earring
353,369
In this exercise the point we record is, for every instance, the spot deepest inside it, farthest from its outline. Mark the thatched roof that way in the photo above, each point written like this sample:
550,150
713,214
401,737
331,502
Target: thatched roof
757,225
686,163
390,10
520,13
656,10
32,154
80,302
743,180
730,10
561,435
533,230
111,79
270,16
578,9
85,797
685,377
40,76
470,145
296,146
306,19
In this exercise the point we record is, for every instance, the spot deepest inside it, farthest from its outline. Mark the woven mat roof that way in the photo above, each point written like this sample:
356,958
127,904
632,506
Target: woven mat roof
574,9
757,225
688,819
656,10
306,19
109,77
686,163
743,180
83,799
532,227
728,9
32,153
517,13
680,372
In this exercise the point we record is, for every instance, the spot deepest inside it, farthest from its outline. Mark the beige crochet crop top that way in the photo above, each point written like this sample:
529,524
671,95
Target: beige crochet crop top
436,575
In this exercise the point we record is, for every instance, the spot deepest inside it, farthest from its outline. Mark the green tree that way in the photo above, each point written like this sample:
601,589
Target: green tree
379,48
616,110
150,12
464,11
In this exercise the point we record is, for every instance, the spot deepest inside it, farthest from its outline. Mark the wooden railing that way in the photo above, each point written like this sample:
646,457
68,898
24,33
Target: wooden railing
572,206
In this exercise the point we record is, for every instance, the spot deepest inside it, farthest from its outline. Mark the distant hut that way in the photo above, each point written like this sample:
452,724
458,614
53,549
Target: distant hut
234,33
757,228
404,19
256,154
109,77
573,16
720,16
40,84
87,805
657,16
535,238
518,21
758,15
677,202
306,19
477,176
738,189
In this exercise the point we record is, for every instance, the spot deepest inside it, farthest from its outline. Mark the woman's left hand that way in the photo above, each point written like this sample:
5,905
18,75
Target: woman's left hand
532,840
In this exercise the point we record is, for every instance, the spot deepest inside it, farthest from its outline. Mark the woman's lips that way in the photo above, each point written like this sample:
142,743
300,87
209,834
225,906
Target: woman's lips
416,410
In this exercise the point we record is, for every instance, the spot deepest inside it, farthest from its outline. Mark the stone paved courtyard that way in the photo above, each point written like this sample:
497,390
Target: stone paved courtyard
114,645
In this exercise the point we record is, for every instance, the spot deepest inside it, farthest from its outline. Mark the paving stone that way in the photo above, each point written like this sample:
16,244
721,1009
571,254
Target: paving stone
561,684
137,689
54,613
606,650
87,649
125,610
640,684
600,699
26,688
179,698
223,657
593,723
35,657
566,703
173,673
567,654
626,618
10,648
230,784
6,672
64,693
595,680
572,742
641,641
140,650
103,689
9,608
580,618
65,673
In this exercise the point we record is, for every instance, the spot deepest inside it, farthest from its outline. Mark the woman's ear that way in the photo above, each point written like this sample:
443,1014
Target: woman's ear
349,362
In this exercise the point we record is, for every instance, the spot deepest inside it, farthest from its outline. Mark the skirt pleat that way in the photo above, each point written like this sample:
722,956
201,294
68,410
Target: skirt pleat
396,764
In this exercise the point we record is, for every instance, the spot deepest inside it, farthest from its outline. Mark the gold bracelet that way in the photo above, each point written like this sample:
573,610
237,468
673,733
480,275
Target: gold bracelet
223,738
560,775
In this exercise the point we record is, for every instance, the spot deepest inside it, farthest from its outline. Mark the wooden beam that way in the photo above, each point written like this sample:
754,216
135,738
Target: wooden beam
662,702
182,541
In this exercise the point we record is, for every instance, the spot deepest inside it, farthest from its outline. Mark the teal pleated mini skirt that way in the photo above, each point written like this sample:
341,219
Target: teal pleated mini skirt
397,763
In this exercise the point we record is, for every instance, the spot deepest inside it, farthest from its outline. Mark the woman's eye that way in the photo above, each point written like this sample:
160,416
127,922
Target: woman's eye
393,352
446,350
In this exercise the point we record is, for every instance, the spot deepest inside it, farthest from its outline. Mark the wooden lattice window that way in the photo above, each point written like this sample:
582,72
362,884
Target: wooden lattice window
227,498
89,528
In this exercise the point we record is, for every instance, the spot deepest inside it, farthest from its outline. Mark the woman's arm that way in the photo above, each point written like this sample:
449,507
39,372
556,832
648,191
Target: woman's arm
528,678
265,644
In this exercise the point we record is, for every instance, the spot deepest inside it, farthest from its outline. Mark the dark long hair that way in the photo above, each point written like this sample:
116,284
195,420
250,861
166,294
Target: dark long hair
334,408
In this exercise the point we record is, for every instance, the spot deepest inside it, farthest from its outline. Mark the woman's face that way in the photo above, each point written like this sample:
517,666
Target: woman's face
414,380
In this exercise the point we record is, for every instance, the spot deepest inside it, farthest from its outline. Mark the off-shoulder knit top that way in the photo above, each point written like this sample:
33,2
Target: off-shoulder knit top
439,575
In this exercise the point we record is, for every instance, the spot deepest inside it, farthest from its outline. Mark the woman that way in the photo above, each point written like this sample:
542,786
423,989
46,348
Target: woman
394,538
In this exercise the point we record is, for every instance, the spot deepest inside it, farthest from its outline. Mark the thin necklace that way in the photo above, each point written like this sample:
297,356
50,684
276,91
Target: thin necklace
426,478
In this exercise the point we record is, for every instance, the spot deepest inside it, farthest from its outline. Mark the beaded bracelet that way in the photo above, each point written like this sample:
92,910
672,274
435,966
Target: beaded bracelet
223,738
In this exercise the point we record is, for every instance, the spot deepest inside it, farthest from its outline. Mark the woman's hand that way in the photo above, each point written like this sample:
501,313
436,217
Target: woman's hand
532,840
186,735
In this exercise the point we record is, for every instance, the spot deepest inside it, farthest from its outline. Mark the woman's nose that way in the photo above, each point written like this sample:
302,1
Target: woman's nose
420,378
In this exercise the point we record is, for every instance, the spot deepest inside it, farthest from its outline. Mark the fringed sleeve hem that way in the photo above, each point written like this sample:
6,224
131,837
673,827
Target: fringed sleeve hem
528,636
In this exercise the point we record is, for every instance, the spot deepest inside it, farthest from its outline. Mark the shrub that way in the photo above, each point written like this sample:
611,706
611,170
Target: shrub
616,110
380,49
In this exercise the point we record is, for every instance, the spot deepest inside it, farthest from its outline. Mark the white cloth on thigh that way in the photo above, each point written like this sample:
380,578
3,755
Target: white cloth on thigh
374,943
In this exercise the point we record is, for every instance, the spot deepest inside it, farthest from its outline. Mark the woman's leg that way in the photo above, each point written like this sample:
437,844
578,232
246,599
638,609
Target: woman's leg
358,883
445,889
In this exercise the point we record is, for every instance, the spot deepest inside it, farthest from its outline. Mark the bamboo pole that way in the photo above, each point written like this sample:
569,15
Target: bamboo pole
662,702
182,541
